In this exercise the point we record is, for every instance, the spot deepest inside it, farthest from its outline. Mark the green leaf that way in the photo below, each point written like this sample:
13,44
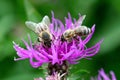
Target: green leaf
32,14
77,74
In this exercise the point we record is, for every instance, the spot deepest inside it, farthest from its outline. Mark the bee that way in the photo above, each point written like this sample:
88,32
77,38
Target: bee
69,34
42,30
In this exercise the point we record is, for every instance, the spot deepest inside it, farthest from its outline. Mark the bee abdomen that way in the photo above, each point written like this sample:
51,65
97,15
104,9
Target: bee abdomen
82,31
87,31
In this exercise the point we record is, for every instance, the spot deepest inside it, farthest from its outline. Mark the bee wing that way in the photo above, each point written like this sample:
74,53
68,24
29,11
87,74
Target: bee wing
80,21
46,20
37,28
45,23
33,26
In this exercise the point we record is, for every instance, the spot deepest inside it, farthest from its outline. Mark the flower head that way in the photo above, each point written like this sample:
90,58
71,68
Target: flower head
103,76
59,51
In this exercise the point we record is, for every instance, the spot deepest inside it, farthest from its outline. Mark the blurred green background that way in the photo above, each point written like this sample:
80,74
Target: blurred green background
104,13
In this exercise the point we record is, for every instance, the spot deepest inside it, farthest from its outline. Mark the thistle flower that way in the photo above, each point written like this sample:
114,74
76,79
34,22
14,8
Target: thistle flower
103,76
61,52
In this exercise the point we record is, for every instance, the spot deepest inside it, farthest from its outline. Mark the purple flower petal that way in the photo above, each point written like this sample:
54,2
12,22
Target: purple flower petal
93,50
106,77
103,76
54,55
113,75
90,35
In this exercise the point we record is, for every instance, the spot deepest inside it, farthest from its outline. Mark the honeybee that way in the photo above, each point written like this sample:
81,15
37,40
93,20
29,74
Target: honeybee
69,34
42,30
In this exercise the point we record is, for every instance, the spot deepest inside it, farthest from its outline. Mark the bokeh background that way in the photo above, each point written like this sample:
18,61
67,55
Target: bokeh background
104,13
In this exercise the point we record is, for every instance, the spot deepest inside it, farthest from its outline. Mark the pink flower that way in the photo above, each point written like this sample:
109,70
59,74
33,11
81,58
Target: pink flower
59,51
103,76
